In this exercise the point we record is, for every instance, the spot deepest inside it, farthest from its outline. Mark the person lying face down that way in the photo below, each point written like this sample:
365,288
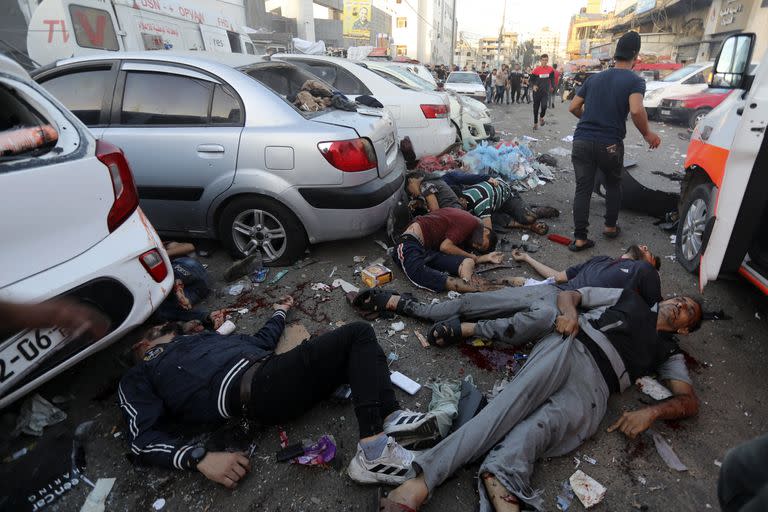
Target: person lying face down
605,339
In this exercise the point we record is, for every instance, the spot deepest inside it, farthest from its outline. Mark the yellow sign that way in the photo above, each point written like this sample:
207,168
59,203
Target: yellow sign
357,18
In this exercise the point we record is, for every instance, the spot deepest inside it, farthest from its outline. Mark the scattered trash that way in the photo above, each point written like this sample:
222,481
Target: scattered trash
376,275
19,453
398,326
236,289
479,342
319,453
347,287
671,257
333,271
642,480
227,327
558,151
260,275
567,138
559,239
96,501
445,403
422,339
304,263
358,259
534,282
589,491
408,385
589,459
525,237
36,414
159,504
453,295
565,496
321,287
673,239
665,452
576,462
278,276
392,357
243,311
716,315
653,388
498,387
718,463
757,315
381,244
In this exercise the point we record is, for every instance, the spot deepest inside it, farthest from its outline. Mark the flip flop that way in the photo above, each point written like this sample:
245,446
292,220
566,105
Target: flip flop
576,248
612,234
447,331
384,504
364,313
373,299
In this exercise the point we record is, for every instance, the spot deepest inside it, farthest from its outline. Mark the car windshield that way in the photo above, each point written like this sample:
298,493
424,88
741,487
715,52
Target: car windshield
412,77
682,73
464,78
390,77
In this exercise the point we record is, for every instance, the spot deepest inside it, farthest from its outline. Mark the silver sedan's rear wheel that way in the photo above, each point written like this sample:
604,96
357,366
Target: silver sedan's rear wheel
693,222
257,229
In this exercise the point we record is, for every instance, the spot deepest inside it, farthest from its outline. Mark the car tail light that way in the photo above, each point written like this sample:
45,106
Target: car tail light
153,262
126,196
436,111
350,155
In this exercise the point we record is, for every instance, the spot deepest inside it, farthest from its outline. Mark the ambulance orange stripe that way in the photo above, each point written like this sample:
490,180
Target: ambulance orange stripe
710,158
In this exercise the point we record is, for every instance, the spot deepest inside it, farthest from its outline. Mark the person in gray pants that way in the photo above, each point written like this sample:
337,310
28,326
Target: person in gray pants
560,396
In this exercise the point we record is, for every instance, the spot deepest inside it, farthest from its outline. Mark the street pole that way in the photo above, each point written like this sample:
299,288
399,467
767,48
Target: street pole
501,33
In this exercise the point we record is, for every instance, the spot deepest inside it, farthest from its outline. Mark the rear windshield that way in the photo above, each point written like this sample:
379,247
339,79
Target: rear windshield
24,132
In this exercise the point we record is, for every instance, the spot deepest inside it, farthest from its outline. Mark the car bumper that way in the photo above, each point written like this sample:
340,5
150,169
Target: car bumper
125,274
674,114
651,111
430,140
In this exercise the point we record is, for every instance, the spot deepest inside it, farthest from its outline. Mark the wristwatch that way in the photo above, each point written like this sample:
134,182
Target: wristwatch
195,456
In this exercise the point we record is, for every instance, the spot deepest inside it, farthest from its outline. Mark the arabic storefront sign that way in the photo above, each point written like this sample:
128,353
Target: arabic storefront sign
733,16
357,18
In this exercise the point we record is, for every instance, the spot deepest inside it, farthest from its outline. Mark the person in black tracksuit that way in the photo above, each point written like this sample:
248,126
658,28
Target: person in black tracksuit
515,82
206,378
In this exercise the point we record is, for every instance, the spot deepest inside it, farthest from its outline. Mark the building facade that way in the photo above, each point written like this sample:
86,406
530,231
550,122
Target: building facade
424,29
547,41
497,51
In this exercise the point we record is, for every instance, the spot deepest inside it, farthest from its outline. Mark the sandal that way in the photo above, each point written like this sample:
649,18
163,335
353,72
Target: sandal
612,234
373,299
365,313
447,331
384,504
546,212
577,248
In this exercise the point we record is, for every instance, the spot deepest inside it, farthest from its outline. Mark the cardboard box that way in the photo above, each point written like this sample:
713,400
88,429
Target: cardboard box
376,275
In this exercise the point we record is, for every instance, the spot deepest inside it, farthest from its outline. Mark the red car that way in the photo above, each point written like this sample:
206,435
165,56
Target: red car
691,108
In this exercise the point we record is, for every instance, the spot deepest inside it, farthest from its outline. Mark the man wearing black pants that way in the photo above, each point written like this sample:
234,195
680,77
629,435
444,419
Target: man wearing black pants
515,82
542,81
206,378
602,105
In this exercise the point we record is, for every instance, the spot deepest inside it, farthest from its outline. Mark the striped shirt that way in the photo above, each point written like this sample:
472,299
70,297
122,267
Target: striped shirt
484,198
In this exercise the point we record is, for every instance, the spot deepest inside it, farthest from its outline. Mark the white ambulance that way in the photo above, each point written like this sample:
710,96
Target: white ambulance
64,28
723,226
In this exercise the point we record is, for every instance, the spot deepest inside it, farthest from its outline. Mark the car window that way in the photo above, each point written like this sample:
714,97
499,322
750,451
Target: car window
82,92
165,99
698,78
225,108
93,28
681,73
337,76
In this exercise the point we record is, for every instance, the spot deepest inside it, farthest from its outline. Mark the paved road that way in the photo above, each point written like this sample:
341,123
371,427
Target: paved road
728,360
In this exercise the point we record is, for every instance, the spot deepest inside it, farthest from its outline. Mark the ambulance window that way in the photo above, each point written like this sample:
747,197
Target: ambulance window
93,28
81,92
225,108
250,49
164,99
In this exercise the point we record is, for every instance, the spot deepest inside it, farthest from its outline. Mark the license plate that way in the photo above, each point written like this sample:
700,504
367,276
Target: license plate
666,112
24,352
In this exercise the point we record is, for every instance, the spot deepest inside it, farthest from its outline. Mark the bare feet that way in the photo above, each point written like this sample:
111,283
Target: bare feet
178,290
501,499
412,493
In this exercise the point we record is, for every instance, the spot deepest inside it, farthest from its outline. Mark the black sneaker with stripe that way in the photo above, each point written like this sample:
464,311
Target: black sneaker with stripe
413,426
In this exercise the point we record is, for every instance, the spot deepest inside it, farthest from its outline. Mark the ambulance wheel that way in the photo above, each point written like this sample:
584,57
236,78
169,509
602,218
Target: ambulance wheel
697,210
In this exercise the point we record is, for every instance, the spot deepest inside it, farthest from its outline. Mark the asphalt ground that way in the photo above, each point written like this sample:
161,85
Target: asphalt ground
727,360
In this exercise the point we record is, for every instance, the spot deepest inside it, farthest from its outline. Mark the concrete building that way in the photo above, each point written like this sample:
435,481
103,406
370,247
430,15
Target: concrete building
465,54
726,17
424,29
585,31
495,54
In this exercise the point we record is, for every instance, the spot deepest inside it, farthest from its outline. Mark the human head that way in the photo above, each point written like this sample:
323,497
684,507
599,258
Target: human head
544,59
517,67
681,315
582,69
413,181
363,15
483,240
154,336
628,47
554,66
642,253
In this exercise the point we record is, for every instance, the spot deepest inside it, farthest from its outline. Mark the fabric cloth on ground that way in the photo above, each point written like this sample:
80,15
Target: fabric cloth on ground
195,279
37,413
445,403
451,224
426,268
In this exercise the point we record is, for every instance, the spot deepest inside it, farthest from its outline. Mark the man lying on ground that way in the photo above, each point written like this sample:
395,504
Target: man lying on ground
206,378
560,396
433,251
429,192
518,315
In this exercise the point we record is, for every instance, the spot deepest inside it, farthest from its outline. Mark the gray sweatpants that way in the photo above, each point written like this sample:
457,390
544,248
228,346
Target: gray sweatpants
514,315
552,406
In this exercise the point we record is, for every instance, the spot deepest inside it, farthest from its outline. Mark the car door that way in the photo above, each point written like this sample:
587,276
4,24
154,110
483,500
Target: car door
180,130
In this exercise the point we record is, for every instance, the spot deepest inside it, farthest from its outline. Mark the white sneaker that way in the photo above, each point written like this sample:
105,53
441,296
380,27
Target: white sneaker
393,467
412,425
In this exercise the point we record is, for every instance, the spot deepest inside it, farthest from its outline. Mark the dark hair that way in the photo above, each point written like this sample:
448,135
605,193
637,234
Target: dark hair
554,65
695,327
414,175
477,239
544,56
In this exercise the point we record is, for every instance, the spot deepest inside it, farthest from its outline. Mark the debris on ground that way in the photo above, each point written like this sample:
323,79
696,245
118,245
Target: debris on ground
422,339
666,453
304,263
567,138
445,403
589,491
376,275
381,244
358,259
398,326
321,287
96,501
653,388
407,384
589,459
278,276
559,151
159,504
346,286
333,271
453,295
227,327
319,453
565,496
36,414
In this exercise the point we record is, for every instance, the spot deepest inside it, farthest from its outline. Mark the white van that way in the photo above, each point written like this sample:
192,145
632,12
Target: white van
723,202
65,28
691,79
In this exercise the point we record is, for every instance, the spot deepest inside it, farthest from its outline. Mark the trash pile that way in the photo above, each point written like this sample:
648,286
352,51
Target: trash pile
513,160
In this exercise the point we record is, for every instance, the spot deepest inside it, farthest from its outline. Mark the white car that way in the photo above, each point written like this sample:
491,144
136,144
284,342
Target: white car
71,228
691,79
469,116
417,69
422,116
466,82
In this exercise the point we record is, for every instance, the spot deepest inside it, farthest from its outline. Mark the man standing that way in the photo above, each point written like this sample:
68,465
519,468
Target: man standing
557,85
515,81
542,81
490,86
501,84
602,105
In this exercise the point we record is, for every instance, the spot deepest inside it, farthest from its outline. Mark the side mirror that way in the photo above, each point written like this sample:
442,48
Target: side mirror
732,64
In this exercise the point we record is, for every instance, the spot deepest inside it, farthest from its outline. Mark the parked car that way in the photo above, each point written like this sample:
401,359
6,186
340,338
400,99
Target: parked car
469,116
71,228
417,69
219,152
422,116
688,80
691,108
465,82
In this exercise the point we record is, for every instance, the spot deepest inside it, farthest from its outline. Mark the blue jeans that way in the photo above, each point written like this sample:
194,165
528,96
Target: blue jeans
195,278
488,93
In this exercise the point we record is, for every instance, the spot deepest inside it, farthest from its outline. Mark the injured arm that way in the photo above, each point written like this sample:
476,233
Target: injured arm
542,269
683,404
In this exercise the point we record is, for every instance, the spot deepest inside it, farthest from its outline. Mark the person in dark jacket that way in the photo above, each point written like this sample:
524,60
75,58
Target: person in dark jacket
207,377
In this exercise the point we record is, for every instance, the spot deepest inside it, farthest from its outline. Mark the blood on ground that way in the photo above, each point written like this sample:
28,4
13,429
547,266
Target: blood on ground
491,358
